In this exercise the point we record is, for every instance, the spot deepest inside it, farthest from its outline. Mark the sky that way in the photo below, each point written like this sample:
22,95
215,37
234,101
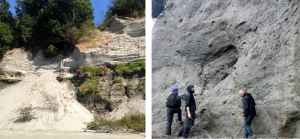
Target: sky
98,5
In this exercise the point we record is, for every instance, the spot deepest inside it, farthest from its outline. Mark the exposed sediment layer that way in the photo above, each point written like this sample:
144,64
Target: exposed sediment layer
222,46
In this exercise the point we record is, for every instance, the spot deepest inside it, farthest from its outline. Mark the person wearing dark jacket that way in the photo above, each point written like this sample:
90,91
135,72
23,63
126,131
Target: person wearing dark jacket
249,112
172,111
190,109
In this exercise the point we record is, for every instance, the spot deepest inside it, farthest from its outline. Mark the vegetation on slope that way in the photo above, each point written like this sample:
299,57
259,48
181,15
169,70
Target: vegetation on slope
132,120
88,82
125,8
25,114
128,69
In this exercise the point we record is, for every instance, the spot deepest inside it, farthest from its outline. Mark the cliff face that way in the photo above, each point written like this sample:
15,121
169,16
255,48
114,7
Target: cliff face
115,98
56,103
223,46
123,41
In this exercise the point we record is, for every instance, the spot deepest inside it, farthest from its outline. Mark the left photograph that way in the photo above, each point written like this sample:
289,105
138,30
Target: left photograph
72,69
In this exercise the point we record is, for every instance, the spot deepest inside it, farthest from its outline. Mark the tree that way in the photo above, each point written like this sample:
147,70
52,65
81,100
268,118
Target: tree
6,16
128,8
53,22
6,38
68,20
25,28
31,7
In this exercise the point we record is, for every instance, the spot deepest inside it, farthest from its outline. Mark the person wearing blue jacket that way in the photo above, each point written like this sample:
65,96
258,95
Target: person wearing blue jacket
190,109
249,113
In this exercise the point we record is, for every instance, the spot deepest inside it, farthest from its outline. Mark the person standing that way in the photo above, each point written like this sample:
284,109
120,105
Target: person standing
172,110
190,109
249,113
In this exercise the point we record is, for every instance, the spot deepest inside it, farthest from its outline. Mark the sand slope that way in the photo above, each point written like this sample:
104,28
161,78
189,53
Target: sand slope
54,104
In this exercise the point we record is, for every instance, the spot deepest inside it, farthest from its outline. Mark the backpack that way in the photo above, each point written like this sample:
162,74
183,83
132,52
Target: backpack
172,101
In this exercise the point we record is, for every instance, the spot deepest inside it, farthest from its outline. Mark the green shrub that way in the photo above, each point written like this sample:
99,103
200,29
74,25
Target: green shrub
125,8
130,68
18,73
12,75
51,51
103,70
25,114
89,86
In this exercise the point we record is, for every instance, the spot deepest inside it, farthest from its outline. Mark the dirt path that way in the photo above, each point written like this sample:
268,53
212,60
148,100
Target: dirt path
54,104
64,135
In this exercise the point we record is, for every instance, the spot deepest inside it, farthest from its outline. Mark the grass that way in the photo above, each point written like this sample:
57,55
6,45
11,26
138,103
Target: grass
12,81
91,70
89,86
100,71
141,89
143,82
118,80
131,120
25,114
130,85
130,68
92,78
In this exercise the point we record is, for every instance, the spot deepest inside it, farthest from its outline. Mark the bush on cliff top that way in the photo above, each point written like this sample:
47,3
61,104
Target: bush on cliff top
51,51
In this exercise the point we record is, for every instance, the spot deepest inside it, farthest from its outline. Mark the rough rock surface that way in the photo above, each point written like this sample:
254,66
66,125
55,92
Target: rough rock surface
222,46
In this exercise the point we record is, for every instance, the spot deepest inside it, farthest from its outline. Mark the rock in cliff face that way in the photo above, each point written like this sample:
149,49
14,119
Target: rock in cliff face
223,46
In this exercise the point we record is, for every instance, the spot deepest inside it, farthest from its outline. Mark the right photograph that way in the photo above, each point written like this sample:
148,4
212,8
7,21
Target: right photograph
225,68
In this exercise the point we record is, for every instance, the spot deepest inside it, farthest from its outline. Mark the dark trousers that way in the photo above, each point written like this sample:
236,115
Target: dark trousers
184,131
170,114
247,125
